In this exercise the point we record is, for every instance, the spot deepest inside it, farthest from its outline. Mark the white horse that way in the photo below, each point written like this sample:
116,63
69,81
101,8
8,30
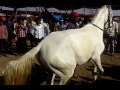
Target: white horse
61,51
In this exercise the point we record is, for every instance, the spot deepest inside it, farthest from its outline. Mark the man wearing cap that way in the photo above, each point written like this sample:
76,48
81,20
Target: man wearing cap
73,18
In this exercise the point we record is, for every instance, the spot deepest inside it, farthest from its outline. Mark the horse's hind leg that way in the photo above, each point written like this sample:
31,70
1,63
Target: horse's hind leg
97,62
64,79
53,78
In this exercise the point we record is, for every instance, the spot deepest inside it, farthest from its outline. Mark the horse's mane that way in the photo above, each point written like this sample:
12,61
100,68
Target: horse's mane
98,13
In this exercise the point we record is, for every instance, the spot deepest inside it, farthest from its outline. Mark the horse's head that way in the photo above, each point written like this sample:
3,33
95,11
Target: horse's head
109,16
106,13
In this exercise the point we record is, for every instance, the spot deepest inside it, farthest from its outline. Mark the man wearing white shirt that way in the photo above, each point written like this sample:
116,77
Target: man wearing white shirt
112,33
46,27
38,31
30,32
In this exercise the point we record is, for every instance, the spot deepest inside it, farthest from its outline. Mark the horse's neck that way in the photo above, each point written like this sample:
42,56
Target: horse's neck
99,21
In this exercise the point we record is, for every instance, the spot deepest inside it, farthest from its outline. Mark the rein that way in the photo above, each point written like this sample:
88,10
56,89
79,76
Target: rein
98,27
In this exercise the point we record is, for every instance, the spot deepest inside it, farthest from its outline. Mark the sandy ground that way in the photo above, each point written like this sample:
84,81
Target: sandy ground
83,74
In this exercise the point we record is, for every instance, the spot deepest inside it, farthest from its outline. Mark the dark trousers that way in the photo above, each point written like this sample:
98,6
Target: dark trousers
118,45
10,47
32,39
21,45
110,44
37,41
3,46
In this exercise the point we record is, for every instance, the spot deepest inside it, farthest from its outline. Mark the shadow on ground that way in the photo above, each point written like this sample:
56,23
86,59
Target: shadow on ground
39,75
104,83
112,71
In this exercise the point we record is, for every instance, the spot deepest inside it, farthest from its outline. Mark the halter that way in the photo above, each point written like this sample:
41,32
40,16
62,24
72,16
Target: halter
104,23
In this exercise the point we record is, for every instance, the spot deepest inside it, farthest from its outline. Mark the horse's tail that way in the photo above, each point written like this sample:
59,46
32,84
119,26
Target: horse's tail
17,71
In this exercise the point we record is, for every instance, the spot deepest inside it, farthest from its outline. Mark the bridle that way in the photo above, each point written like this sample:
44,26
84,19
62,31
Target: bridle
108,21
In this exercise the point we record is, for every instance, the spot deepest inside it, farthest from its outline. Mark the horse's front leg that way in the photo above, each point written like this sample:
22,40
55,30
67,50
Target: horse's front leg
97,63
95,72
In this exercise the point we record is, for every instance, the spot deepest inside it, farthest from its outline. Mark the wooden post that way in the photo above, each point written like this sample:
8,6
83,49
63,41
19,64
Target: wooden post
84,10
15,13
36,9
6,15
39,12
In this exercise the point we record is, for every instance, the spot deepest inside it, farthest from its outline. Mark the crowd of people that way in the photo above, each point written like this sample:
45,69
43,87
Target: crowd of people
36,29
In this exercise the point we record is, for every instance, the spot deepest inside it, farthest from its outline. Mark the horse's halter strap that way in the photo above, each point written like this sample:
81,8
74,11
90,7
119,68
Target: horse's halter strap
97,27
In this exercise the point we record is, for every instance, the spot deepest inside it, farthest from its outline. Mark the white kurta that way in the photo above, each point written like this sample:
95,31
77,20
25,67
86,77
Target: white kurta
38,31
113,29
46,29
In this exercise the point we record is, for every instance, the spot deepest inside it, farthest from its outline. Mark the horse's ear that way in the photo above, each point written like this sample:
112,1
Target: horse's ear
108,6
104,6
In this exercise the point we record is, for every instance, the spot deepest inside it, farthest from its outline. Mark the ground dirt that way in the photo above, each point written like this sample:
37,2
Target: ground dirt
83,74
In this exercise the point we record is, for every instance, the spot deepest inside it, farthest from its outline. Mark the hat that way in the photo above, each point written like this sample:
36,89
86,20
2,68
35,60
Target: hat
75,14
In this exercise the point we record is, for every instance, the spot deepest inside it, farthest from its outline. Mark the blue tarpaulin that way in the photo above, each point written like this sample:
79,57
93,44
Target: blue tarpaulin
58,17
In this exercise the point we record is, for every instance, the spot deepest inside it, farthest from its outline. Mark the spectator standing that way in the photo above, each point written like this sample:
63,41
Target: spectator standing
46,27
3,38
73,19
30,33
112,33
21,32
63,25
10,27
38,31
56,26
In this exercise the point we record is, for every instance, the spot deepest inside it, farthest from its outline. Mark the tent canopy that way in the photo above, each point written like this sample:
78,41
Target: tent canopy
59,4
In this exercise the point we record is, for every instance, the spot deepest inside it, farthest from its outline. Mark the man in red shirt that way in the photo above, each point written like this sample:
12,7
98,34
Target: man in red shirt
3,38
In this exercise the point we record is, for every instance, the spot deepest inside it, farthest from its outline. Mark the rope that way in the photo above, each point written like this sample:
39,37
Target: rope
97,27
